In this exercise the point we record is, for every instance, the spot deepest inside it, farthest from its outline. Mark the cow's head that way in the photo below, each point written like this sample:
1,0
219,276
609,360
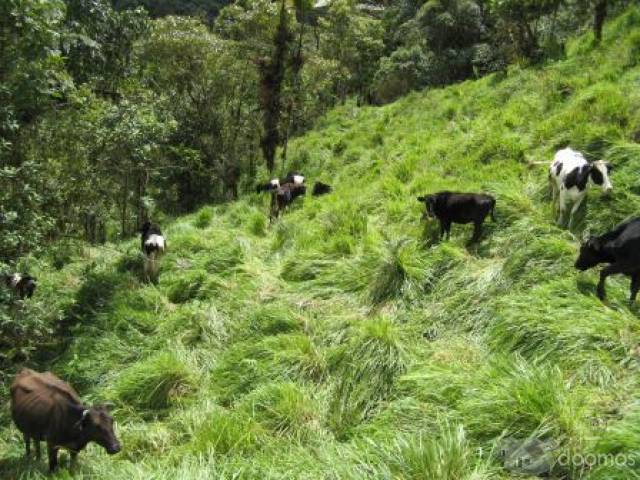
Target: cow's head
145,227
97,426
600,175
589,254
429,201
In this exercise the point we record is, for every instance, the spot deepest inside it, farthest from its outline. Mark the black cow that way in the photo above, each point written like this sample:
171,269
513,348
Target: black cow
283,196
320,188
22,284
620,248
453,207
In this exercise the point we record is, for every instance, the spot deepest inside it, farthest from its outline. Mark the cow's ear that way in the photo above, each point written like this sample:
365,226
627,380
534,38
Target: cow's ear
421,199
609,166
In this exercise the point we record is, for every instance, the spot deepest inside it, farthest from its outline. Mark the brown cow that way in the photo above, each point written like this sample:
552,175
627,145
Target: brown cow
283,196
44,407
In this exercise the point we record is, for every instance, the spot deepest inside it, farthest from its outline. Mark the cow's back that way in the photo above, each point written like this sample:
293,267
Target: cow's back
38,401
624,241
564,162
462,207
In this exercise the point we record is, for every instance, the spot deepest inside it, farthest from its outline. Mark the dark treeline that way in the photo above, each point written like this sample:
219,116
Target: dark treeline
110,115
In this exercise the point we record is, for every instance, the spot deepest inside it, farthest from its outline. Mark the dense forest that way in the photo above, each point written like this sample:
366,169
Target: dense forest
112,113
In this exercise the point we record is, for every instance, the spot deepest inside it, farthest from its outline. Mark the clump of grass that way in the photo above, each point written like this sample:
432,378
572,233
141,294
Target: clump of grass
272,319
257,224
399,271
554,321
146,440
196,323
445,454
226,432
186,286
154,384
365,370
283,408
246,365
204,217
520,398
223,259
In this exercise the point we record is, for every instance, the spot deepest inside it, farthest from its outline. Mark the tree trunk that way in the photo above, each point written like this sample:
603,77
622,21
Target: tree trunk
599,16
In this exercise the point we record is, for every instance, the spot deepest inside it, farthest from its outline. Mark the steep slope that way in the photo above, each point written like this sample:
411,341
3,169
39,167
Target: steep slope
342,341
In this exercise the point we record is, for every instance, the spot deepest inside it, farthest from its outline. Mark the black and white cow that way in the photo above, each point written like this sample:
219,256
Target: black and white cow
283,196
153,246
22,284
320,188
296,178
268,186
620,248
453,207
569,176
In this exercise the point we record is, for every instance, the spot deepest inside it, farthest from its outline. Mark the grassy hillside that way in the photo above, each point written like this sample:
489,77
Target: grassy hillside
343,342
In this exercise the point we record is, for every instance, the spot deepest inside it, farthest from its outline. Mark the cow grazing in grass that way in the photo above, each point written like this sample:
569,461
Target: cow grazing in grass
283,196
22,284
620,248
569,176
453,207
44,407
296,178
320,188
153,246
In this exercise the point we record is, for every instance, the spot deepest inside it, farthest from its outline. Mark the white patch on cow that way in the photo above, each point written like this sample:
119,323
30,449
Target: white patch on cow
275,183
15,279
298,179
155,240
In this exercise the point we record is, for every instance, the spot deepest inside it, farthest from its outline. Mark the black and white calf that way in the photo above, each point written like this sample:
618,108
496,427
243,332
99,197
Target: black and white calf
295,178
569,176
453,207
620,248
153,246
22,284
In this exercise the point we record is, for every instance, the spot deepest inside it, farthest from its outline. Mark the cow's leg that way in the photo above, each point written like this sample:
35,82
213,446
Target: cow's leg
635,286
606,271
37,444
74,459
477,231
53,456
574,210
447,227
562,207
27,446
442,230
